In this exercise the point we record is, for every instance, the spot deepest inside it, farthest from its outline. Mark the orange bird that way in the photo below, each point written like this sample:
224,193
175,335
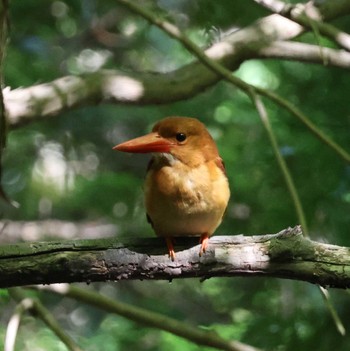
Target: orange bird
186,188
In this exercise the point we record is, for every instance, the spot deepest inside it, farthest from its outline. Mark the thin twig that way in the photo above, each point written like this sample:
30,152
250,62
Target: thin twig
35,307
260,107
3,41
339,325
3,122
220,70
296,200
14,322
302,117
149,318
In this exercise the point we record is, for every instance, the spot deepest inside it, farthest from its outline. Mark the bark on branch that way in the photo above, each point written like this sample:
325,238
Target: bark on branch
286,254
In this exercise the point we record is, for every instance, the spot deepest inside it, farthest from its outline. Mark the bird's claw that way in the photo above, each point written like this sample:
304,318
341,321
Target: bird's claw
171,251
204,239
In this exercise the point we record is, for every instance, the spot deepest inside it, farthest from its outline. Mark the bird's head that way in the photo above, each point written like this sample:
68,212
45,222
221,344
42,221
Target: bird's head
184,138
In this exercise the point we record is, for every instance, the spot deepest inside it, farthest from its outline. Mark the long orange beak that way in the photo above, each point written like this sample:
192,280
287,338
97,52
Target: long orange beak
151,142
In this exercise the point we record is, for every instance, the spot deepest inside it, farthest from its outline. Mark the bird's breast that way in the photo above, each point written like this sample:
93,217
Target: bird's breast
185,201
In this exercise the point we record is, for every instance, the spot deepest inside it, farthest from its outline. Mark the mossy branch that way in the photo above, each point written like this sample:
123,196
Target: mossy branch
285,255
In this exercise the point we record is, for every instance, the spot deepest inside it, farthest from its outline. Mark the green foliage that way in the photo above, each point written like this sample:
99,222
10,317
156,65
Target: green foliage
4,296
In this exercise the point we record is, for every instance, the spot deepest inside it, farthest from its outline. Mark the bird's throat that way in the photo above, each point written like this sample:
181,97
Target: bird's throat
164,159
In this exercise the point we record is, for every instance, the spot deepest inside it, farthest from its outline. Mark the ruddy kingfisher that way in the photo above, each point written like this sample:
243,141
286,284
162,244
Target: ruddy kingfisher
186,189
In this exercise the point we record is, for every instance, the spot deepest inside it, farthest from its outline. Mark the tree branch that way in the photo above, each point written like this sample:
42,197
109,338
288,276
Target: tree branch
309,16
4,23
294,51
284,255
36,308
260,107
294,196
221,71
150,319
68,92
43,100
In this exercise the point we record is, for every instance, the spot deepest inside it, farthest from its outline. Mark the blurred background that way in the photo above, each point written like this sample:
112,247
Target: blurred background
70,183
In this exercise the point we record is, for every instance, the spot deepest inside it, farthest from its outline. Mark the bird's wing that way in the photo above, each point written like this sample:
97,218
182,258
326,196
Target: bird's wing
220,163
150,164
149,220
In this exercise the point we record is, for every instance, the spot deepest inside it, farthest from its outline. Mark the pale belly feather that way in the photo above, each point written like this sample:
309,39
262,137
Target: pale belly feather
188,202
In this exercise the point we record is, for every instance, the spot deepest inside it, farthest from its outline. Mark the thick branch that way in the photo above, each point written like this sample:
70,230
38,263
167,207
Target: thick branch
284,255
113,86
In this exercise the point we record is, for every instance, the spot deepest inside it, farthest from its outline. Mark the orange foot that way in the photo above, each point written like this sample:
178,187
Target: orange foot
169,243
204,243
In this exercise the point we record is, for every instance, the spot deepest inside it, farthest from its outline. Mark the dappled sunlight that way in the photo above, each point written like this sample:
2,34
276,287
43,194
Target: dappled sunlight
279,30
59,9
92,60
85,76
88,61
14,231
87,163
123,88
258,74
120,209
51,167
243,257
79,317
64,22
344,39
57,170
219,50
129,28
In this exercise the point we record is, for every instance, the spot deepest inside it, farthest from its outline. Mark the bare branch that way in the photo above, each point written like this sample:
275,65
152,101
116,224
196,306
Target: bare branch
309,16
327,10
302,52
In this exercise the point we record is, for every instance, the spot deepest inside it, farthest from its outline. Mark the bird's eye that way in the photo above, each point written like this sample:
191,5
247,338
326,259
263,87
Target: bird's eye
181,137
